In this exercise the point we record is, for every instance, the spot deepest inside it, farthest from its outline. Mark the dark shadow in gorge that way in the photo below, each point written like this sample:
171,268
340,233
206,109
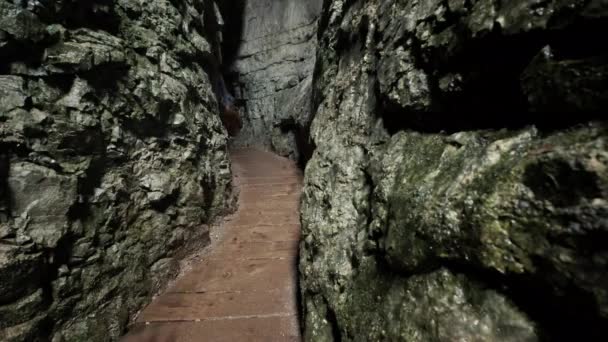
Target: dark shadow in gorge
560,315
567,314
495,70
5,195
304,144
233,12
223,28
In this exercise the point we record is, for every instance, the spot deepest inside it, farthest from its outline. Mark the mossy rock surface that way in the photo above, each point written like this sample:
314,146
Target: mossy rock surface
459,185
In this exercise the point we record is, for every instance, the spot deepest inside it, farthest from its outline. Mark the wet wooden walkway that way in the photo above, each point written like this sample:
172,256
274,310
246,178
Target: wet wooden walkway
245,288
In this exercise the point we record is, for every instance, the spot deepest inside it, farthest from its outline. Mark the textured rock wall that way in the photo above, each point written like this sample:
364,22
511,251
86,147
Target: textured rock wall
273,73
112,159
458,190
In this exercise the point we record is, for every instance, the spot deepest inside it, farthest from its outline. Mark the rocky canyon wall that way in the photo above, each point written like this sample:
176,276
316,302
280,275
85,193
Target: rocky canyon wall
458,190
272,72
112,159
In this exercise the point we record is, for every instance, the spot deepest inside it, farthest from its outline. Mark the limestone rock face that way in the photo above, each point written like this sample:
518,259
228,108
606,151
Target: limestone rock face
459,186
273,70
112,159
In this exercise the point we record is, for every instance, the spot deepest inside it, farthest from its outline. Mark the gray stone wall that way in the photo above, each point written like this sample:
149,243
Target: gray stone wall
274,67
112,159
459,186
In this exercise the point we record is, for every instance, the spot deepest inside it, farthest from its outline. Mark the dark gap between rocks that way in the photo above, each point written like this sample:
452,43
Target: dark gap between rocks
568,314
492,68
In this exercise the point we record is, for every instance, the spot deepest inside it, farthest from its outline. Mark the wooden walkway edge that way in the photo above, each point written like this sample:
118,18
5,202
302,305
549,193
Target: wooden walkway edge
245,289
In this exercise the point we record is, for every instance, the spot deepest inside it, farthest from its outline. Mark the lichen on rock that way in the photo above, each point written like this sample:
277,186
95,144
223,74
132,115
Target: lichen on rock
445,199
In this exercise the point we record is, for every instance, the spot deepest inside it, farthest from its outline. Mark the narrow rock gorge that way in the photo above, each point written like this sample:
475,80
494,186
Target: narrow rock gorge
455,156
270,57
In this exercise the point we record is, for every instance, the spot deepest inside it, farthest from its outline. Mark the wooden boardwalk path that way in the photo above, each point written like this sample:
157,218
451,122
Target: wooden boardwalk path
245,289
